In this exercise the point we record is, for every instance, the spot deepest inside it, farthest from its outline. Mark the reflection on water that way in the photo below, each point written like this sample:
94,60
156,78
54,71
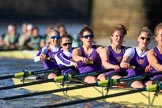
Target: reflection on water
10,66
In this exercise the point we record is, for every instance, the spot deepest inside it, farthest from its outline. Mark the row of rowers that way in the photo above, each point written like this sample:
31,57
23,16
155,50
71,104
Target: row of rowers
116,56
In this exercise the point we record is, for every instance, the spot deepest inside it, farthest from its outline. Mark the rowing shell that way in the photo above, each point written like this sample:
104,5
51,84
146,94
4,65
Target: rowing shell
144,98
24,54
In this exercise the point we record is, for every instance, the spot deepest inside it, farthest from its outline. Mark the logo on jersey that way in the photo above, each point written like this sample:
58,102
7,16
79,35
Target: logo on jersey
140,61
119,59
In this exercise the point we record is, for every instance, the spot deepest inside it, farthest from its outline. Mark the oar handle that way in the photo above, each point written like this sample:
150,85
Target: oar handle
27,73
50,70
37,59
138,77
92,73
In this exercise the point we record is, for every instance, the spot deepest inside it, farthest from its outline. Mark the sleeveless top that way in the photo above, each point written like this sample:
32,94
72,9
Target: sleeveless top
159,59
49,64
158,56
94,56
35,42
139,62
12,39
116,58
64,59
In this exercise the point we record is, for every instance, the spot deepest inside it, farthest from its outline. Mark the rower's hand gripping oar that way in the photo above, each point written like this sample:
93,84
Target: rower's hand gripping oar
27,73
92,73
37,59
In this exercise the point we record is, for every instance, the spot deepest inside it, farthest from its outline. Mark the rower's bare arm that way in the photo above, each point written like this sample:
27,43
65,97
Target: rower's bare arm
153,60
43,56
99,51
105,58
76,55
125,62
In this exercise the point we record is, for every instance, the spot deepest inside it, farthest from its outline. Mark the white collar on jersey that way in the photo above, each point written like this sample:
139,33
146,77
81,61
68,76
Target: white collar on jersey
67,53
54,48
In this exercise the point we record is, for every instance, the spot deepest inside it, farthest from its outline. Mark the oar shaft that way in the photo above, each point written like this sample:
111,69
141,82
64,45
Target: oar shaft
26,84
92,99
42,71
51,91
27,73
50,70
138,77
56,79
93,72
6,77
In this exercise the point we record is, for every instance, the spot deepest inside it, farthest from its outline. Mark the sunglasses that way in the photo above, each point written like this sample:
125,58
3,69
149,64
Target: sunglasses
143,38
65,44
88,36
55,37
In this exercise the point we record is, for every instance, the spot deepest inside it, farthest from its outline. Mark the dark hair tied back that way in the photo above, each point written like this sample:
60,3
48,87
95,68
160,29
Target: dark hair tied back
85,28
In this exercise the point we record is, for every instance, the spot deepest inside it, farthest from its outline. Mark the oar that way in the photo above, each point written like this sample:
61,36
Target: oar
148,88
37,59
138,77
27,73
92,73
56,79
67,76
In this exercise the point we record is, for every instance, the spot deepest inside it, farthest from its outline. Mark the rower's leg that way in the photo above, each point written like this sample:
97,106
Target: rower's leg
89,79
101,77
116,77
137,84
148,83
51,75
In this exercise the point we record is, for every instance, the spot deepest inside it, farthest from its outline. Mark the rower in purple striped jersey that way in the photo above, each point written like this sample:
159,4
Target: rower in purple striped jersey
86,53
137,57
155,55
49,51
112,55
64,56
